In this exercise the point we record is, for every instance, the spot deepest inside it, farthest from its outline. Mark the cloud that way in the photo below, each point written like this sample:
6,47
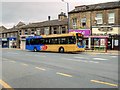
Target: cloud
14,11
30,11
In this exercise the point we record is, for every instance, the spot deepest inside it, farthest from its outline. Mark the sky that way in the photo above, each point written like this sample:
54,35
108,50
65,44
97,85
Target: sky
29,11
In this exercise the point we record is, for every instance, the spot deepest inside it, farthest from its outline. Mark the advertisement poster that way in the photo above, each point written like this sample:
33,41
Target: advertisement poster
116,43
102,42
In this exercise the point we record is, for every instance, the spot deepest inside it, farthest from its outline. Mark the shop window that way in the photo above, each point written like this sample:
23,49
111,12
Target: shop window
96,41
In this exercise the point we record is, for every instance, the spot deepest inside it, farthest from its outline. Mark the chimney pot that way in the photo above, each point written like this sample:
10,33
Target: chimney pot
49,18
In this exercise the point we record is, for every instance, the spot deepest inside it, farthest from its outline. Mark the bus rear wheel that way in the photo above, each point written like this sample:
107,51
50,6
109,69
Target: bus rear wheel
61,50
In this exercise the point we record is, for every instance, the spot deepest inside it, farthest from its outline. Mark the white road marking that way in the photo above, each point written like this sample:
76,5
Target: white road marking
12,61
93,62
28,54
99,59
114,56
76,60
79,57
24,64
40,68
85,61
5,59
40,55
12,53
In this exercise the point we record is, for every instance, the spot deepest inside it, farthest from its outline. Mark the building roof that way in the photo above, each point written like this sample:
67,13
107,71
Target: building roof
14,28
46,23
2,28
20,24
94,7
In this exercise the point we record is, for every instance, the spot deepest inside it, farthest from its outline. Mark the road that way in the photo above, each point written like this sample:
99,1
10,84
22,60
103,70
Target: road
25,69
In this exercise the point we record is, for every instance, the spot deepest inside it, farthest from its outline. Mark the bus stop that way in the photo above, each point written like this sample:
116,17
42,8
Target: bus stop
98,43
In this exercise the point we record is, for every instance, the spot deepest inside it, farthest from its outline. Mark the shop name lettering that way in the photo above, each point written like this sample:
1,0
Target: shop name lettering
82,32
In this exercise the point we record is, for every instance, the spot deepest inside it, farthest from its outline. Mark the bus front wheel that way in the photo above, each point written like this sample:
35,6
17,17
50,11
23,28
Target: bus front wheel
35,49
61,50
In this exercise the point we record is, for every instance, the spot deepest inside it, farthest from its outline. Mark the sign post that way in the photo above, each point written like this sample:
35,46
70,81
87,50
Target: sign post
106,43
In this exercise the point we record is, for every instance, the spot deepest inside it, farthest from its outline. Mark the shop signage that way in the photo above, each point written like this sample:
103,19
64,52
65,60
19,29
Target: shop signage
4,39
85,32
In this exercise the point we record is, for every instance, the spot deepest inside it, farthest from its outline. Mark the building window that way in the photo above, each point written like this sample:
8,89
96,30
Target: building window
83,22
46,30
16,34
20,32
99,18
7,34
32,31
111,18
26,32
74,23
63,30
55,30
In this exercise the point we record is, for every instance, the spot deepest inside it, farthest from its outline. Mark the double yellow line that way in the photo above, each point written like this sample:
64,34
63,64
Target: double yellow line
5,85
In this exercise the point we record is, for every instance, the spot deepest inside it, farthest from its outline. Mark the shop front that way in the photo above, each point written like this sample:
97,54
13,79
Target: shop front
112,32
23,41
5,43
114,41
99,42
12,42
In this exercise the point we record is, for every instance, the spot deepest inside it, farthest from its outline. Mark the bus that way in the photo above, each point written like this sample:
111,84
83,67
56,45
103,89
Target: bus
70,42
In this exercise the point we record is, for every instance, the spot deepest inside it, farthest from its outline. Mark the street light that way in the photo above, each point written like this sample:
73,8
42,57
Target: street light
68,14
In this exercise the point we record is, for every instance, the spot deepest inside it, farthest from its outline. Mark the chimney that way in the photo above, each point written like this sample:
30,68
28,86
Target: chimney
62,16
48,18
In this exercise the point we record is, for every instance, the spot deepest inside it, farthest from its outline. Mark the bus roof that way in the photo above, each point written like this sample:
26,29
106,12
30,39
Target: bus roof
60,35
54,35
29,37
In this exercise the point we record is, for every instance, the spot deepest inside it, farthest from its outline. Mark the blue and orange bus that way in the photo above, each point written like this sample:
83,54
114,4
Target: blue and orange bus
70,42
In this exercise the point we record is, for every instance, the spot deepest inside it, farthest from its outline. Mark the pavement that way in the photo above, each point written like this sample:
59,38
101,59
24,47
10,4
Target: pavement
112,52
25,69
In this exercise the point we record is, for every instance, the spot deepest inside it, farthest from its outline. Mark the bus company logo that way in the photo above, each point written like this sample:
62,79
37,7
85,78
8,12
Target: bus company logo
44,47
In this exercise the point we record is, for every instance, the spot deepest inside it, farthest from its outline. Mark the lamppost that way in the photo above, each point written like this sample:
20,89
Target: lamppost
68,14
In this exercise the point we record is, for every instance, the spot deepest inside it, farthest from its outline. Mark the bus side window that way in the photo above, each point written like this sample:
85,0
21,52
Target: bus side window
47,41
42,41
72,40
32,41
28,42
56,41
64,40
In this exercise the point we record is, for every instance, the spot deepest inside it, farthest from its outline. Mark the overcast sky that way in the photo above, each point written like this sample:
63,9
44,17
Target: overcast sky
29,11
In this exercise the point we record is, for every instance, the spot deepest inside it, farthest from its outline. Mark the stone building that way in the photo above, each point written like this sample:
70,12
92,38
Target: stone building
57,26
10,37
2,28
102,19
